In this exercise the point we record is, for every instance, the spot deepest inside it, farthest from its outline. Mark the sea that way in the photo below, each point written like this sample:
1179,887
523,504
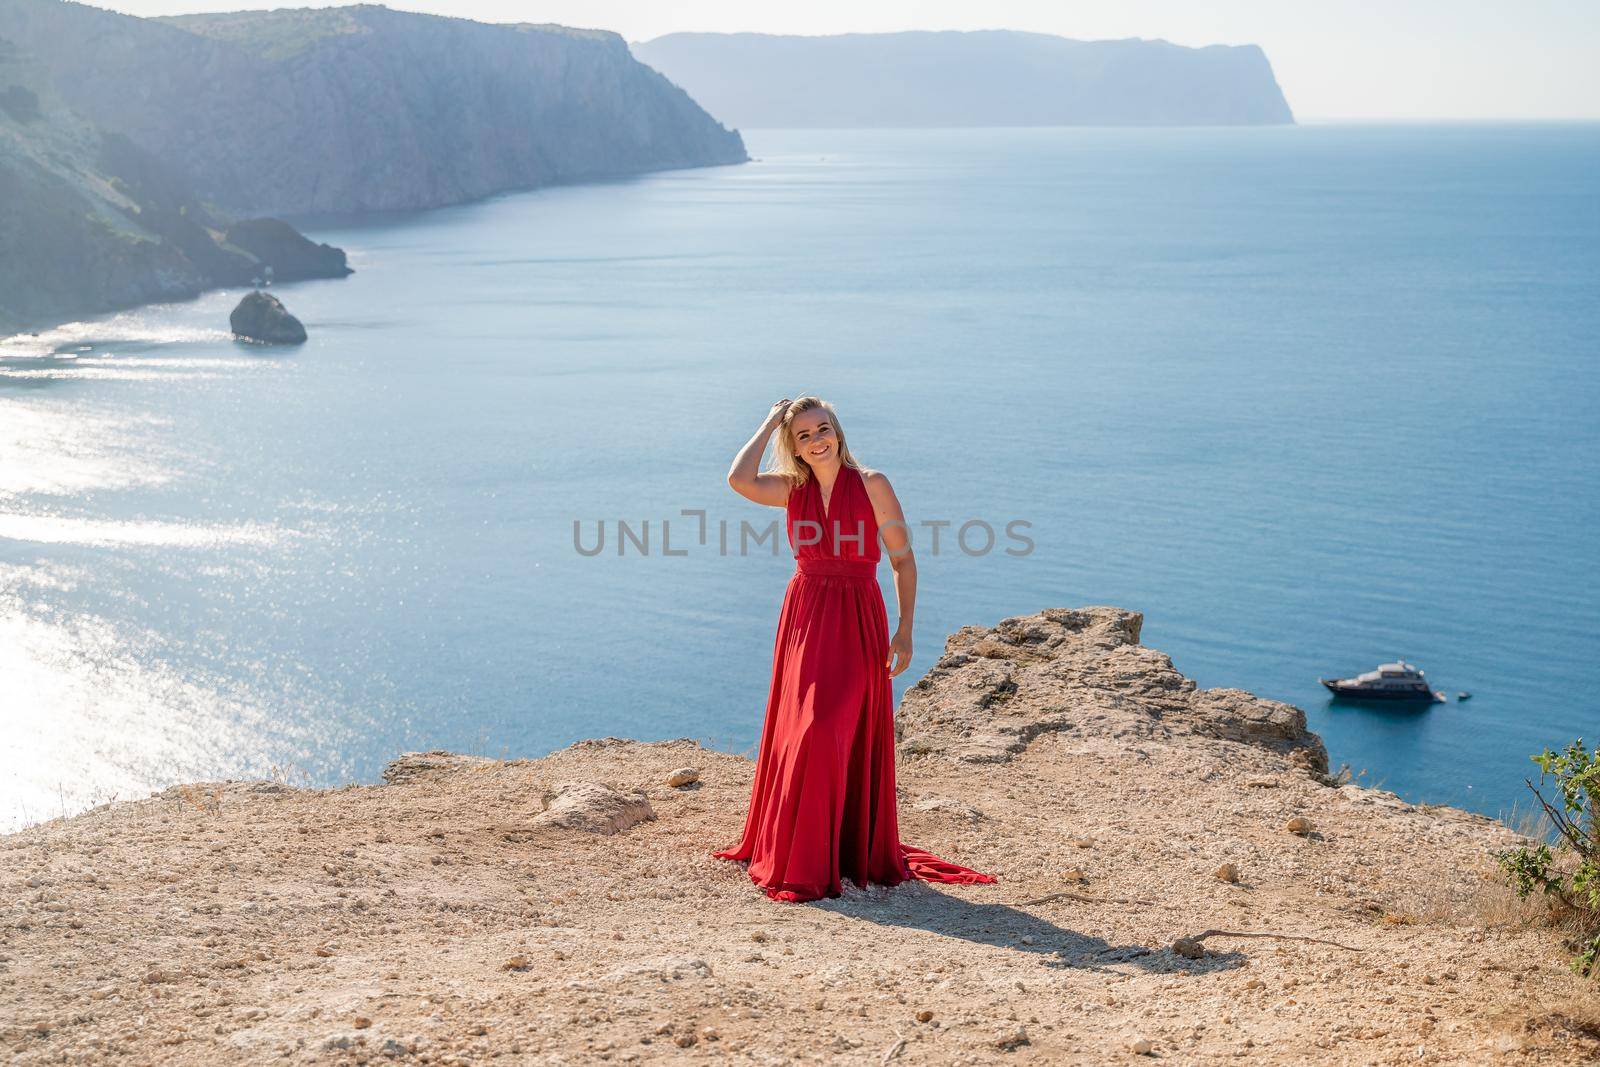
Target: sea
1310,398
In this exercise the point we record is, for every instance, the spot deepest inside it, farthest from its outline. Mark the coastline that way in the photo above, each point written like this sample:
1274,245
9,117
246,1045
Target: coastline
462,910
1320,593
18,326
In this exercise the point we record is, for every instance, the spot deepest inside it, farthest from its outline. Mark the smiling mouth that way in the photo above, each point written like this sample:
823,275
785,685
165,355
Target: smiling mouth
820,451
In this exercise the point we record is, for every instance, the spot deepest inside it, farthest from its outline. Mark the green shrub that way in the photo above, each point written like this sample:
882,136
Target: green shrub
1565,870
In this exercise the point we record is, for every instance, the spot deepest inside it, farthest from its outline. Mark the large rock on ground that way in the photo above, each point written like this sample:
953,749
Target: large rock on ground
1079,670
261,317
592,806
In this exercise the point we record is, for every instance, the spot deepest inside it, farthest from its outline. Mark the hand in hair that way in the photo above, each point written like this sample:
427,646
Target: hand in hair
745,475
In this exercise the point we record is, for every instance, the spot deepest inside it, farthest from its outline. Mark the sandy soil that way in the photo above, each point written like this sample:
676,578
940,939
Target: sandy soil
449,919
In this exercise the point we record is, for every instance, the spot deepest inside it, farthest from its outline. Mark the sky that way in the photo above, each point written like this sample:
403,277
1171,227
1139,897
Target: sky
1352,59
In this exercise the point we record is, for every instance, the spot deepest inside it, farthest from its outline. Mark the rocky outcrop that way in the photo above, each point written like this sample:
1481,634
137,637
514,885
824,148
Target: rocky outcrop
262,318
1078,670
437,763
360,108
283,252
985,78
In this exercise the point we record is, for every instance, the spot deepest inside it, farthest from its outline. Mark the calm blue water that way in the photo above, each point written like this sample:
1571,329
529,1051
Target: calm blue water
1308,398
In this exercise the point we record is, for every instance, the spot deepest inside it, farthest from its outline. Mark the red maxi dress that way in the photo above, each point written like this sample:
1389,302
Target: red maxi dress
823,804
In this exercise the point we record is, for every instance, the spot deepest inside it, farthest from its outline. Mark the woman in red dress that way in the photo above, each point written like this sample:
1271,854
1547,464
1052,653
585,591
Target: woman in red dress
823,804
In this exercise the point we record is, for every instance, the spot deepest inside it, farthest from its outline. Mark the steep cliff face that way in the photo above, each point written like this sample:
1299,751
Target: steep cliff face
988,78
130,149
363,108
89,221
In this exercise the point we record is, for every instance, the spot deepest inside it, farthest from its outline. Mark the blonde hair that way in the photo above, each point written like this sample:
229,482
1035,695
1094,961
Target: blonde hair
791,466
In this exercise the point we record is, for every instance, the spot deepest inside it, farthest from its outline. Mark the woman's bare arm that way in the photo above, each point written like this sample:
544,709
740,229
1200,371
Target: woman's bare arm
897,541
745,475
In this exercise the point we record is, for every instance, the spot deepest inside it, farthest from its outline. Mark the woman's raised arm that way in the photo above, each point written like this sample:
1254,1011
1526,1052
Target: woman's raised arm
745,475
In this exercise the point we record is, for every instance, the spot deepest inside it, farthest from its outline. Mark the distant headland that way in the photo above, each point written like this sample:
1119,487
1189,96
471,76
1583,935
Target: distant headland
984,78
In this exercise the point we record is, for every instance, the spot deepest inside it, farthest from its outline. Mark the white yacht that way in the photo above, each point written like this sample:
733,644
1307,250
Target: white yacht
1391,681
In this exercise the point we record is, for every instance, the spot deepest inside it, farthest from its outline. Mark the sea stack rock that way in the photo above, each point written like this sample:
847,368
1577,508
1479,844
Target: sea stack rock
261,317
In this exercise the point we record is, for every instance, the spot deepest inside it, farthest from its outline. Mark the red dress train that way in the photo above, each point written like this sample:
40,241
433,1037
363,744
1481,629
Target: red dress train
823,804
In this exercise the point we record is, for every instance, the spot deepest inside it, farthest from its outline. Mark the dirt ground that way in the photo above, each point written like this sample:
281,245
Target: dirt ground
448,919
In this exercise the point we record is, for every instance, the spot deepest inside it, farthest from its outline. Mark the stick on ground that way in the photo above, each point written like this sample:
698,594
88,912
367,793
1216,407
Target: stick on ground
1192,948
1085,899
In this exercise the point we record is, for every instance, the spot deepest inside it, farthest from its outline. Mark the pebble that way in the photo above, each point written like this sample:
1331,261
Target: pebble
1141,1047
516,963
361,1022
1011,1039
924,1016
1073,874
1227,873
1298,825
683,776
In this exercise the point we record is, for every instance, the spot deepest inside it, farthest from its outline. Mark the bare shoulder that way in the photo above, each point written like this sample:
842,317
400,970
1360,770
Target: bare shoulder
885,505
874,479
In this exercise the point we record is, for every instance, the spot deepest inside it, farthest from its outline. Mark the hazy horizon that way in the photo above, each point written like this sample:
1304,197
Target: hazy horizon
1431,59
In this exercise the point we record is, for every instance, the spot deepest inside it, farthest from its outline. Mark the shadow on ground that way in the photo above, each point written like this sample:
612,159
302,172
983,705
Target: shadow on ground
1007,926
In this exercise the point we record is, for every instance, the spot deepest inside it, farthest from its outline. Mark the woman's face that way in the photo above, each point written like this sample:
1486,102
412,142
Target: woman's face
815,440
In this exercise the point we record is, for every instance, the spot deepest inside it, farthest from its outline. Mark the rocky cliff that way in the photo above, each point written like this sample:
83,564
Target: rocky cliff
352,109
90,221
1178,877
987,78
